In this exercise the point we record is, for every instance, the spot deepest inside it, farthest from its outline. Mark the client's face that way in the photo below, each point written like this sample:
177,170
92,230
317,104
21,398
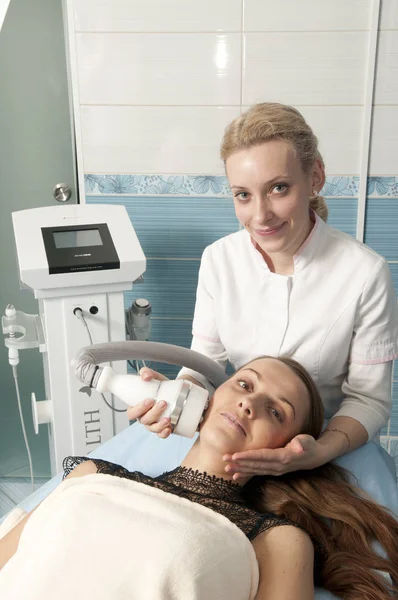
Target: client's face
264,405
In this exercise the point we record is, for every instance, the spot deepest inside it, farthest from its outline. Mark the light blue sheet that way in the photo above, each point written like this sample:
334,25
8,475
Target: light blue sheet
138,450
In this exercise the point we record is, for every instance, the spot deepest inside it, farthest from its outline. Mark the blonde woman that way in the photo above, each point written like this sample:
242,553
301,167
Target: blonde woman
288,283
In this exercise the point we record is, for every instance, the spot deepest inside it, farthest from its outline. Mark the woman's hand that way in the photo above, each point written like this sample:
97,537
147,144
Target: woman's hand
303,452
148,412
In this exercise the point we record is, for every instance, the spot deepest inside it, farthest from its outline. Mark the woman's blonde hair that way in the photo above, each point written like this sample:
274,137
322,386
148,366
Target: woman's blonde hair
269,121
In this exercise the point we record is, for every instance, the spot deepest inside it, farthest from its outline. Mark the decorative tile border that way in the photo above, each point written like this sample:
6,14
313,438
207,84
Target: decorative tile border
204,185
157,185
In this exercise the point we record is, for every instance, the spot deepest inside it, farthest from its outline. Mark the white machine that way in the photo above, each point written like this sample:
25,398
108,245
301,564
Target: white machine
78,260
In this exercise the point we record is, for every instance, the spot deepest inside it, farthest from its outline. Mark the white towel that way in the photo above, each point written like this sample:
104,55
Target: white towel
12,519
109,538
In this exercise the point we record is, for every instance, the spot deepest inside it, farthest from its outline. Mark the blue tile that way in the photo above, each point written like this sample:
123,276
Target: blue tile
170,286
343,214
394,452
381,230
394,274
395,370
170,331
394,414
176,227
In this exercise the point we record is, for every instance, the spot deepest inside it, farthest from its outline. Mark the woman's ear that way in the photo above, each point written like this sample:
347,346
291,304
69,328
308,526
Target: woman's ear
318,175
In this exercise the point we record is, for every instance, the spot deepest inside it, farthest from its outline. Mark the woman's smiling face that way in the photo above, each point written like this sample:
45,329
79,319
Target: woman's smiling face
263,405
271,195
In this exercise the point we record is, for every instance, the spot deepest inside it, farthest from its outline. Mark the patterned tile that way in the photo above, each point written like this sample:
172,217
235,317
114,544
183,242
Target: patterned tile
204,185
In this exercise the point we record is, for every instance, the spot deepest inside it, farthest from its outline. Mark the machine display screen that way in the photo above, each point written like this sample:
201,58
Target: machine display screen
77,238
83,247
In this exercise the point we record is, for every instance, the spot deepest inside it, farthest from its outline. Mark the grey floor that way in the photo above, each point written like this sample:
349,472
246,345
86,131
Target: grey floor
14,489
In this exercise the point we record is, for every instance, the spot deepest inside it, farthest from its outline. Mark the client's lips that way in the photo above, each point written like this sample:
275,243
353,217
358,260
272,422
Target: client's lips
234,420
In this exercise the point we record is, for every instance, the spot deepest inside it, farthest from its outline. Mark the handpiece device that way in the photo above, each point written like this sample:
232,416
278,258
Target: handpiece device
186,402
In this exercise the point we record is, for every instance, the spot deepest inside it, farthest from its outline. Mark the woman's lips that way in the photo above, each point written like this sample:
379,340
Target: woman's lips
234,421
269,230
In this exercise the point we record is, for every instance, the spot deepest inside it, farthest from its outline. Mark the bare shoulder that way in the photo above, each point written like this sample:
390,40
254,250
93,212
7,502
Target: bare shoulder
285,556
85,468
279,538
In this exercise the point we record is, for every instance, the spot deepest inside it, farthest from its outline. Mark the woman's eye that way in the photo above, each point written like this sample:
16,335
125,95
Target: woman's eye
243,384
280,188
242,196
276,413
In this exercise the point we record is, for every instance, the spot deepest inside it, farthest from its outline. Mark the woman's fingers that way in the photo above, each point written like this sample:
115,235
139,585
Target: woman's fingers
139,410
147,374
149,414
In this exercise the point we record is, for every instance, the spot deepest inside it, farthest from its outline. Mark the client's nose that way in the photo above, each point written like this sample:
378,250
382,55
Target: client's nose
246,405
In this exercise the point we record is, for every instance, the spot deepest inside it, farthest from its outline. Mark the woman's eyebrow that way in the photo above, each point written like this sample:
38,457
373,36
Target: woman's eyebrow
273,180
281,398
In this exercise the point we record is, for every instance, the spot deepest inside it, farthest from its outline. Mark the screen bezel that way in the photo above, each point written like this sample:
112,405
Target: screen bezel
82,258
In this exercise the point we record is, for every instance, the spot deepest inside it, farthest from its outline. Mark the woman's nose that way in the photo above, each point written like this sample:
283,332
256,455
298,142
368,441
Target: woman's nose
247,407
262,210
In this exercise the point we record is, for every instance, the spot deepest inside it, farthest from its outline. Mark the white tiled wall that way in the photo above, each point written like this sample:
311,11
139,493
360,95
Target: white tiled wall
158,15
384,155
181,68
156,81
153,139
159,68
307,15
301,68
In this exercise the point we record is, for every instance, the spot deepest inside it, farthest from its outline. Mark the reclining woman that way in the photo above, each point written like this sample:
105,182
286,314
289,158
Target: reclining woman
193,532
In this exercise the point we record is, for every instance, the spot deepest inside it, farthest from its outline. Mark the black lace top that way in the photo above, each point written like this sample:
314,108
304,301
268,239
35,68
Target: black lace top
220,495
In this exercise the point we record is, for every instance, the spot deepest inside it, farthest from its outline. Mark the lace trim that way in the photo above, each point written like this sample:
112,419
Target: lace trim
221,495
203,483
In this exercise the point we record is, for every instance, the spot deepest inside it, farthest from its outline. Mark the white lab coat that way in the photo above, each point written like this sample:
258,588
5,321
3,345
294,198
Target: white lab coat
336,314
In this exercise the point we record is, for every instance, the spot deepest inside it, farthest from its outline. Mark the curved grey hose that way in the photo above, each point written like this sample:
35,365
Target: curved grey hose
87,361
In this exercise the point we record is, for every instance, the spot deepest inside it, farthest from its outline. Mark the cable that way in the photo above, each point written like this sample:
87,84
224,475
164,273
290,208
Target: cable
79,314
14,371
132,366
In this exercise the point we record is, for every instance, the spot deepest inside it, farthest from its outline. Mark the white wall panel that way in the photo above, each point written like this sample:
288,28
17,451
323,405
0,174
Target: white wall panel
307,15
305,68
158,15
386,88
127,139
384,143
163,68
339,131
389,14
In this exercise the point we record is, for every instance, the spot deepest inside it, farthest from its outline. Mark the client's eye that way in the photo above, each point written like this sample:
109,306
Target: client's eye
276,413
244,384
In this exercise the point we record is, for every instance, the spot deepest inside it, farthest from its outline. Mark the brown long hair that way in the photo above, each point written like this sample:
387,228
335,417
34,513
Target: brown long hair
269,121
336,514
